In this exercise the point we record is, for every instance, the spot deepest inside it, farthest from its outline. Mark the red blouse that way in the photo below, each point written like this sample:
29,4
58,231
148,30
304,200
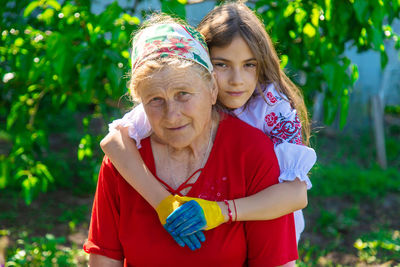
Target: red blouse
125,227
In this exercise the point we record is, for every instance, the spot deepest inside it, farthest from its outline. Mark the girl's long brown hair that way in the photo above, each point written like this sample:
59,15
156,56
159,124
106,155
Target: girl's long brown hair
225,22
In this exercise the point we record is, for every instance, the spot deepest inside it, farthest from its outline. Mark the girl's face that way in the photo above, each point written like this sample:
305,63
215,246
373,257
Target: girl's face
236,70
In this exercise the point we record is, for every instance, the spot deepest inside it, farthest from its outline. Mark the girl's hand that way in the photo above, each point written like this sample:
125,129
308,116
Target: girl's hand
165,208
194,215
186,220
193,241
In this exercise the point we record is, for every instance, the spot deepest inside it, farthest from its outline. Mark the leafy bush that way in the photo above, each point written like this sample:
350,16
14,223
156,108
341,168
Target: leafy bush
379,247
61,66
313,36
44,251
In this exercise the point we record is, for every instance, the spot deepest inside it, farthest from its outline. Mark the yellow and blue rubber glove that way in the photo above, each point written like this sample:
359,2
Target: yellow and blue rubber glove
164,209
195,215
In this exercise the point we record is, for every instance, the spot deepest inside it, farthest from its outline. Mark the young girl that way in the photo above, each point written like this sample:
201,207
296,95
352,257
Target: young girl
254,88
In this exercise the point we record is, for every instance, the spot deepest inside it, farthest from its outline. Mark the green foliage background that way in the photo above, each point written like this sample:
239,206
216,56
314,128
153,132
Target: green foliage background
63,73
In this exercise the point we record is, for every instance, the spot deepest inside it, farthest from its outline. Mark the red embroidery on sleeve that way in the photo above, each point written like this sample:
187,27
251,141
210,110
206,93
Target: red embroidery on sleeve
271,119
271,98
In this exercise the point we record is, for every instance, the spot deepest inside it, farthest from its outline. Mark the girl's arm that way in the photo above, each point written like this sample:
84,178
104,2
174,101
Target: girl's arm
123,153
270,203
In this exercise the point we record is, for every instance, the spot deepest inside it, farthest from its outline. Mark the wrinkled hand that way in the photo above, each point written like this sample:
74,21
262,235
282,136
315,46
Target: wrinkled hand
193,216
164,209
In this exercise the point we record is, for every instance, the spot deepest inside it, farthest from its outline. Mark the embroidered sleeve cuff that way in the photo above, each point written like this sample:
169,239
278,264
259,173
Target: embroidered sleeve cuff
295,161
291,175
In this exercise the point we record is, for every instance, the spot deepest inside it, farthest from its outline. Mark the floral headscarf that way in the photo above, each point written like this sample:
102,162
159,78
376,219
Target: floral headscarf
170,40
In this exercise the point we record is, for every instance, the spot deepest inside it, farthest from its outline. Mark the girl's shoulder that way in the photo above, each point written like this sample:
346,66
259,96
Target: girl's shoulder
272,96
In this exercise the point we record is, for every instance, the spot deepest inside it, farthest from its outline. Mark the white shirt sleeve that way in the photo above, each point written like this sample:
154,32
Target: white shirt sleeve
137,123
295,161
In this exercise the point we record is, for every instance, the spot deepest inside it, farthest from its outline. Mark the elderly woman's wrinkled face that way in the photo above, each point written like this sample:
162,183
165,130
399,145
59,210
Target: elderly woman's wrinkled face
178,104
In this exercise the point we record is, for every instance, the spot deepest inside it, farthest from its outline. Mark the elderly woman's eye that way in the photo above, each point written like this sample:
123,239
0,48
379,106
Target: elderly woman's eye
183,96
156,101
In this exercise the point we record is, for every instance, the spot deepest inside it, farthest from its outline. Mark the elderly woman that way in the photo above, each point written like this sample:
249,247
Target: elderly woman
191,151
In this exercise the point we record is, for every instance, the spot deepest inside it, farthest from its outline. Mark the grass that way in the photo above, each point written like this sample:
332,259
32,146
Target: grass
352,218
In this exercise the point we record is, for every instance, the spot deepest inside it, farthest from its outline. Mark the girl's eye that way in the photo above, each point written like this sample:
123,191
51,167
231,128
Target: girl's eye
183,96
250,65
220,65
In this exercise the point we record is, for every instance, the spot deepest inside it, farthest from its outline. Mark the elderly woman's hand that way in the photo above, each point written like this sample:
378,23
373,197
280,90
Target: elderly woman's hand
193,216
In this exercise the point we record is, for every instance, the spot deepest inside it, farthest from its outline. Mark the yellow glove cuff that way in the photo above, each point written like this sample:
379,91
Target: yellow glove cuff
166,207
211,209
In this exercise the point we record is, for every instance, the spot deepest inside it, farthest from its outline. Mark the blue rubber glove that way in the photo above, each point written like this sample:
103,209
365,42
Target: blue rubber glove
186,220
193,241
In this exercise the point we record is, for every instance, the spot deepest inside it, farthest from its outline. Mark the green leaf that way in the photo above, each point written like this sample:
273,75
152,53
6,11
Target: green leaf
315,13
174,7
330,109
84,149
54,4
109,15
328,9
32,6
114,74
284,61
289,10
309,30
114,56
42,169
299,17
13,115
28,186
384,59
47,15
344,108
354,73
360,7
4,163
19,42
86,78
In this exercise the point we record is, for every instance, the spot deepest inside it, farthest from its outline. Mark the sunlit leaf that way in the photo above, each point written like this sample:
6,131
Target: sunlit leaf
32,6
328,9
284,61
289,10
354,73
54,4
300,16
309,30
315,16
